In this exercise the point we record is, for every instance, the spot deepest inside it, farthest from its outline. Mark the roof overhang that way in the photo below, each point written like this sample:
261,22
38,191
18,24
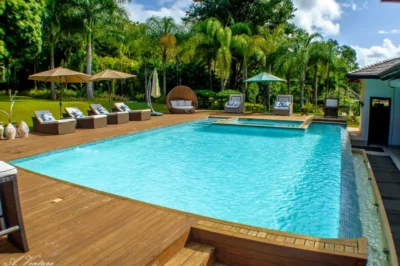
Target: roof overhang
390,73
391,1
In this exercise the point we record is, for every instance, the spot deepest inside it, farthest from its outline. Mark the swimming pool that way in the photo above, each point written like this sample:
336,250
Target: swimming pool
265,122
280,179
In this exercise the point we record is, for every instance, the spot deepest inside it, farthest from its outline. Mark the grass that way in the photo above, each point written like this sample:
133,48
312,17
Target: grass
25,106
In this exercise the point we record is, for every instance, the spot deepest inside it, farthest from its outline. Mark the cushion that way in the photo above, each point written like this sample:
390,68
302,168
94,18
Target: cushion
188,103
102,111
77,113
174,103
125,108
233,103
284,104
47,117
184,107
181,103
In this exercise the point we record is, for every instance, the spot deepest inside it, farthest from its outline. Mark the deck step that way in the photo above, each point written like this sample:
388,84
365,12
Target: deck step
193,254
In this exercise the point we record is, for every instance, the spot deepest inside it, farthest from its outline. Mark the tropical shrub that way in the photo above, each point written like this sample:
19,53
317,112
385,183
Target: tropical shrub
206,98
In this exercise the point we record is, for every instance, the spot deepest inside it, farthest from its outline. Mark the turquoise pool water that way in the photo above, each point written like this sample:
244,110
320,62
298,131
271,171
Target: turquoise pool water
281,179
263,122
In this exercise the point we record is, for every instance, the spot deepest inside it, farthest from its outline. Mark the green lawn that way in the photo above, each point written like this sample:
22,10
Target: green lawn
25,106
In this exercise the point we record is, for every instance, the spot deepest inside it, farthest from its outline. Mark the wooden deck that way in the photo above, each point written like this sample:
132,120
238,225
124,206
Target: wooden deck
71,225
387,176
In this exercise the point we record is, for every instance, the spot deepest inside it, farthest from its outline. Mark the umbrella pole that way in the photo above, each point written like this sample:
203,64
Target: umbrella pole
109,95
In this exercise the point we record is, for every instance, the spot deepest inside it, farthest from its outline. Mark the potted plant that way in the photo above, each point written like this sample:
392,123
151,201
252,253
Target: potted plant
10,130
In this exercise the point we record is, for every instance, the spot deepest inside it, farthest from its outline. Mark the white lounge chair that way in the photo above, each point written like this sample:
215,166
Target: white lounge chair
283,105
235,104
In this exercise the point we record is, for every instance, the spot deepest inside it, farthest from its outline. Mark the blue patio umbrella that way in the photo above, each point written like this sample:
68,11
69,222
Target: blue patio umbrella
264,78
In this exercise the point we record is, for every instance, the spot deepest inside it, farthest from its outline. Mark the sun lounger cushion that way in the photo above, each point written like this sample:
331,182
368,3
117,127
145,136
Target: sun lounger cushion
188,103
47,117
181,103
331,103
77,113
233,103
174,103
102,111
125,108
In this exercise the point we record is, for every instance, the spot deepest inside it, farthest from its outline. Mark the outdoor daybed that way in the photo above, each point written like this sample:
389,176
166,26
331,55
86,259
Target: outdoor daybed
44,122
134,115
182,100
331,108
283,105
235,104
112,118
92,122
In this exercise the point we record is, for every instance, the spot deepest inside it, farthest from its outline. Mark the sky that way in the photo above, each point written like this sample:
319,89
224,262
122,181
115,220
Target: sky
372,28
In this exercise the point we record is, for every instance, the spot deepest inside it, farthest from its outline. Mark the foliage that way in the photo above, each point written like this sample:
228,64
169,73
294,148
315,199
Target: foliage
20,36
272,13
252,92
205,98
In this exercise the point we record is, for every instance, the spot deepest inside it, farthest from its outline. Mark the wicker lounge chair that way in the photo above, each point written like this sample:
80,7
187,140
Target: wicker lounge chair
331,108
112,118
235,104
134,115
44,122
182,100
284,105
82,121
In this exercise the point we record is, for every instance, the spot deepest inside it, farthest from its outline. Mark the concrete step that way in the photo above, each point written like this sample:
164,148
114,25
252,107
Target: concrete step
193,254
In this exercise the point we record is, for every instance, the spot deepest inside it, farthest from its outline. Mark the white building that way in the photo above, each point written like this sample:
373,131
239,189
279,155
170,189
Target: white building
379,102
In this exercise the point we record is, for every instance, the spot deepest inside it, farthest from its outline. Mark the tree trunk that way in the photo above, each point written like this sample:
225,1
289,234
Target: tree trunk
34,72
53,94
316,87
328,81
177,71
89,87
146,89
269,91
7,70
244,78
302,84
164,65
210,75
288,85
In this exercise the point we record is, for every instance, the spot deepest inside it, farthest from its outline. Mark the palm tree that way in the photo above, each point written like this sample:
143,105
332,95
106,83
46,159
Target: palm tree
164,30
223,58
285,62
92,14
52,30
247,46
204,44
319,56
302,41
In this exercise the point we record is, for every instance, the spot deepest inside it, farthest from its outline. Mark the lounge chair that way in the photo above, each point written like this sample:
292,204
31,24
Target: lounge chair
112,118
134,115
283,105
92,122
235,104
182,100
331,108
44,122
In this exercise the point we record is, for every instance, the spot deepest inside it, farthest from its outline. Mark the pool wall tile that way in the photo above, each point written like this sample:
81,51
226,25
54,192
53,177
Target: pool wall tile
350,223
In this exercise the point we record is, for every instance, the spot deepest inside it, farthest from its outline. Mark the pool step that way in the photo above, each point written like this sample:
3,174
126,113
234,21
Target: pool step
194,254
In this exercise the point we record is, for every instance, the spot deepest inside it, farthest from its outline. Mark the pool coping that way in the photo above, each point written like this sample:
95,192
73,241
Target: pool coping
227,119
387,237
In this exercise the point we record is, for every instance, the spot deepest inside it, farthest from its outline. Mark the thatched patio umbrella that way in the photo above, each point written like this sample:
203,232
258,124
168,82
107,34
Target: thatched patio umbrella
110,75
61,75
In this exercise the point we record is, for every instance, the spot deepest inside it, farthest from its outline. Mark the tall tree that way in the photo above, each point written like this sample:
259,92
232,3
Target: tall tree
302,41
92,14
20,31
52,30
204,44
248,46
253,12
164,30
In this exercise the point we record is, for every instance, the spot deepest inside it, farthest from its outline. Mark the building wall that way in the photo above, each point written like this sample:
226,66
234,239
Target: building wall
379,88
